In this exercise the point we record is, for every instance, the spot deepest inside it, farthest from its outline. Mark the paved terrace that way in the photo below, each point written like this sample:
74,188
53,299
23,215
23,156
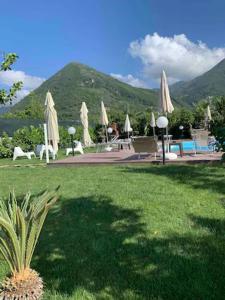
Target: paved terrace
129,157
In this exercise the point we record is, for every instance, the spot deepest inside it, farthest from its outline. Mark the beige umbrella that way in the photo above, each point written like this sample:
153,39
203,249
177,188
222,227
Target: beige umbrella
152,123
127,127
208,117
165,100
208,114
84,120
104,119
51,121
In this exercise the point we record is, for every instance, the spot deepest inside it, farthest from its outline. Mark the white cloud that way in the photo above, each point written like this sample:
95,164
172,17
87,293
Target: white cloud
130,79
181,58
30,83
20,95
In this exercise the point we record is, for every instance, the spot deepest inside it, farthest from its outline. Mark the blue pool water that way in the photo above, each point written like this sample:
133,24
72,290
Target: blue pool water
190,146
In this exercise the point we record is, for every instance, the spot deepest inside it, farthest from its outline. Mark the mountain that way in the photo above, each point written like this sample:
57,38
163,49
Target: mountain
211,83
77,82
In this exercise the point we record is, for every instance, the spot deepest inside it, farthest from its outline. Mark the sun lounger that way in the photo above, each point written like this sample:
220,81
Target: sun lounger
202,141
18,152
40,150
78,148
146,144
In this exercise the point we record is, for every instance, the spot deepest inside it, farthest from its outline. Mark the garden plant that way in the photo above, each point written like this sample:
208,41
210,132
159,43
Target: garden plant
20,226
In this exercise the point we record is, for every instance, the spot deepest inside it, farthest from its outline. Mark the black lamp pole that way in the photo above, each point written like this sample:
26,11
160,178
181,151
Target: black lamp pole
72,144
163,146
162,123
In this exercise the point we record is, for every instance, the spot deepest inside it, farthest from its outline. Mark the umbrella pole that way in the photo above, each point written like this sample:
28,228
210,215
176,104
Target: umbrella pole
153,128
46,143
106,133
167,138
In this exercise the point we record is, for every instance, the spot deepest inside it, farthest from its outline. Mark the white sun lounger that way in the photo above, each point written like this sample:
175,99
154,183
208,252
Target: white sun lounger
18,152
78,148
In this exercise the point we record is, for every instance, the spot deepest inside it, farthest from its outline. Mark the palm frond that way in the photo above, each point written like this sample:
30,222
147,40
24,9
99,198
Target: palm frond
20,226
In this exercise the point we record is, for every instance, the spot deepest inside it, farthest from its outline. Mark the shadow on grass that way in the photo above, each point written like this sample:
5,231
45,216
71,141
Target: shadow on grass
93,244
196,176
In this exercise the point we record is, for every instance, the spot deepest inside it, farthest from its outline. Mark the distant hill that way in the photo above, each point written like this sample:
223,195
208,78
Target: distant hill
211,83
77,82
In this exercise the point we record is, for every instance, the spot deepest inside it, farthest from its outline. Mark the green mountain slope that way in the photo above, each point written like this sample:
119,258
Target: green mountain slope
211,83
76,83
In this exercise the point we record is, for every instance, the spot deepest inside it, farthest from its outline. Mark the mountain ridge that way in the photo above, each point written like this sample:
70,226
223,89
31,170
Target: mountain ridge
77,82
210,83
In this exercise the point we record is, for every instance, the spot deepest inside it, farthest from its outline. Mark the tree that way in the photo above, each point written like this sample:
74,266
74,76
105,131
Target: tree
180,116
6,65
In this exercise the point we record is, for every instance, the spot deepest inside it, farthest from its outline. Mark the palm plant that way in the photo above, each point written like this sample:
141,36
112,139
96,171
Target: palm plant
20,226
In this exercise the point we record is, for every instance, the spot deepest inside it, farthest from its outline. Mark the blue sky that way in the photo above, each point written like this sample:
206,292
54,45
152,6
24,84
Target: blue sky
49,34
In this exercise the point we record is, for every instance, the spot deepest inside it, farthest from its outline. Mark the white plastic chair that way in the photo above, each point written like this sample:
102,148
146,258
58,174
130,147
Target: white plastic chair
40,149
18,152
78,148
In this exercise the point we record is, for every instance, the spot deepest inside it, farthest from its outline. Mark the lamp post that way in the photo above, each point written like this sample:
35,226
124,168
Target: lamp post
181,127
110,130
72,131
162,123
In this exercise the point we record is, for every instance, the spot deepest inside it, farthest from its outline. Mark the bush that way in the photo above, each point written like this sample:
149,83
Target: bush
65,139
179,117
6,147
220,137
28,137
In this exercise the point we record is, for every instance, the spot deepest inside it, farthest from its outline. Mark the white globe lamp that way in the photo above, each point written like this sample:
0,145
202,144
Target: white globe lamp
162,122
72,131
109,130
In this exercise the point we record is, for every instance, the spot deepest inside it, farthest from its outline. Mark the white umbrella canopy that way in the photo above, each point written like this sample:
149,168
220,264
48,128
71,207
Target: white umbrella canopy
153,123
208,117
51,121
165,100
127,127
104,118
84,120
208,114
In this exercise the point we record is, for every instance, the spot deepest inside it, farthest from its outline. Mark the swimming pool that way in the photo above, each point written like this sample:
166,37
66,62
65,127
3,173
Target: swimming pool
191,146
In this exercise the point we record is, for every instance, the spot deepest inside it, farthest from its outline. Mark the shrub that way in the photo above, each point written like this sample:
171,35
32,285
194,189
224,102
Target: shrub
28,137
6,147
65,139
220,137
180,117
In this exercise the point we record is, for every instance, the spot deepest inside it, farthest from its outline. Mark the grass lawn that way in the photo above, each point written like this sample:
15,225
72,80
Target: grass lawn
130,232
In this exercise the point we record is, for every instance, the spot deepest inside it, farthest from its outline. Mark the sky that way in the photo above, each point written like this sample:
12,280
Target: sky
131,40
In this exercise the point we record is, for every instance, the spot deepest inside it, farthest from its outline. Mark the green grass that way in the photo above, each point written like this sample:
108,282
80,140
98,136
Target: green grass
143,232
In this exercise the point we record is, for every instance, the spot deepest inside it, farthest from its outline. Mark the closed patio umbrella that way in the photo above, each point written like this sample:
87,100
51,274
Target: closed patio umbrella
165,100
208,117
84,120
127,127
208,113
52,122
152,123
104,119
